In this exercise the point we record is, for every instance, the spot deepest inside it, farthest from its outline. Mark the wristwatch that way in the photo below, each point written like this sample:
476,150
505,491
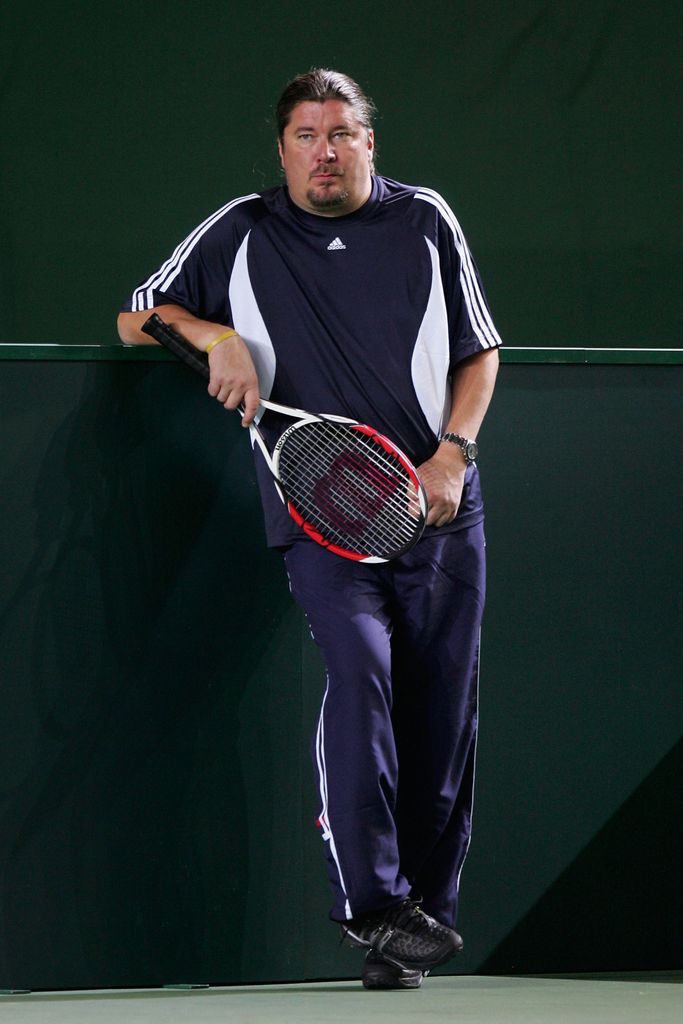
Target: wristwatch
470,449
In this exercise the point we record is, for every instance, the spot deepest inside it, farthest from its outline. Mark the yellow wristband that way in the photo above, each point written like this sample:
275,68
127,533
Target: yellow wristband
219,339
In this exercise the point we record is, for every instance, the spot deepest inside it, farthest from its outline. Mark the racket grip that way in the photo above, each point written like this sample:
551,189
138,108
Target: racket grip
175,343
179,346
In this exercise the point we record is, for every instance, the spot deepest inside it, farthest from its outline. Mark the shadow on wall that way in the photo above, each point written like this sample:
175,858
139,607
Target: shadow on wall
123,820
622,893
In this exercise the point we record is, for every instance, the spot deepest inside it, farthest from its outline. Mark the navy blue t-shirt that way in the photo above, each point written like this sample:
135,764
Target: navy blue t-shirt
363,315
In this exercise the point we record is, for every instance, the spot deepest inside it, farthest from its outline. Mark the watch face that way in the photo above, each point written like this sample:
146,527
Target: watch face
471,451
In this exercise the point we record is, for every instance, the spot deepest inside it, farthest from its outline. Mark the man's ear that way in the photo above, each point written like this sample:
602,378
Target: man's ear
279,150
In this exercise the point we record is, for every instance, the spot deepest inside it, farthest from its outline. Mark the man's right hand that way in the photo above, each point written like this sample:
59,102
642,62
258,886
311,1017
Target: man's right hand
233,378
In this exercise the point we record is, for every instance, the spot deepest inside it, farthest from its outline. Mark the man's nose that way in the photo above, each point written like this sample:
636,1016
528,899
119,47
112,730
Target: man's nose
325,151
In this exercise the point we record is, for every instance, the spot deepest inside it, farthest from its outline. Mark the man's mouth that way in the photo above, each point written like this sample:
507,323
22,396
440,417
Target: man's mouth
325,174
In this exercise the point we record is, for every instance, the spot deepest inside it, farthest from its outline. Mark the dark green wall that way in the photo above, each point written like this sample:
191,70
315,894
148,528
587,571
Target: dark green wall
159,688
552,128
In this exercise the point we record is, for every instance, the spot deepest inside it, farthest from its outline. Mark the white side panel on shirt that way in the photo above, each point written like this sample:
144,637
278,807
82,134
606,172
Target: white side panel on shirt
248,321
431,353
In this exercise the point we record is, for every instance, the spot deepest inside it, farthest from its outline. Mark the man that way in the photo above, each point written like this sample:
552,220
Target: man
345,292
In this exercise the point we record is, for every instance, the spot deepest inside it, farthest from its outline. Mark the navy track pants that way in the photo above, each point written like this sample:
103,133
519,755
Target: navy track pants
395,744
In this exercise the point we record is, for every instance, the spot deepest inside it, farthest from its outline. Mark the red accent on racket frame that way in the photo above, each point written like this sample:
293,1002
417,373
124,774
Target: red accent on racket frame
319,539
390,447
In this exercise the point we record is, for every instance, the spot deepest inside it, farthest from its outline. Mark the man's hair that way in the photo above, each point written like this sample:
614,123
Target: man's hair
318,85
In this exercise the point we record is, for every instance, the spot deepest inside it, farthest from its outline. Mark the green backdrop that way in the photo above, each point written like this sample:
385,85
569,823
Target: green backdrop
553,129
155,794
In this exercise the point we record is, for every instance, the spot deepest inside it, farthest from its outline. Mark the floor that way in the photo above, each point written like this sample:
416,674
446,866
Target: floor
647,999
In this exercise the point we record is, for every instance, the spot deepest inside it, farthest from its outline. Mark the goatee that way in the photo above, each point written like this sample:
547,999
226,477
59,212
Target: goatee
327,200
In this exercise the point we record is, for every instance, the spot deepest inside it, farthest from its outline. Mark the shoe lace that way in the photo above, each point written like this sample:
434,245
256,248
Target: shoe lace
409,917
406,916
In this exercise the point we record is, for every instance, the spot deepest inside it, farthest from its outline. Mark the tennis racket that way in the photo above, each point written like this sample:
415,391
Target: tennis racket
347,486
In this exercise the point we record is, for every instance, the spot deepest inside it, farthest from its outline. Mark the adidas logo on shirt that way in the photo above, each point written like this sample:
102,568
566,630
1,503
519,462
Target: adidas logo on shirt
336,244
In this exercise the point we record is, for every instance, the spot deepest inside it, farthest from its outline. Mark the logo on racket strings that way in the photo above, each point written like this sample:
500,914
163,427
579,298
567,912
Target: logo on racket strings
351,493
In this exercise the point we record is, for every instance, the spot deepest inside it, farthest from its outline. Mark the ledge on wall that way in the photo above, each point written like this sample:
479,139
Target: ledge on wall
509,354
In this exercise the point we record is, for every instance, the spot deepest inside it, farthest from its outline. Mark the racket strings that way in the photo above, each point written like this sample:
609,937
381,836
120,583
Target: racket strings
359,487
350,488
356,484
377,468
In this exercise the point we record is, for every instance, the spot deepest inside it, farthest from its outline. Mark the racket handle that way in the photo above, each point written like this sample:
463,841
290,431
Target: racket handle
179,346
175,343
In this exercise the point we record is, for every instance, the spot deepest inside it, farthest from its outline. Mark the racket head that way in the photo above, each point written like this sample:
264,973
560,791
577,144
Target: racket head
350,488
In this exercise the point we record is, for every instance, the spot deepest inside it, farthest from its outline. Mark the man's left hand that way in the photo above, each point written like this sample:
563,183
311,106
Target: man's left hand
443,477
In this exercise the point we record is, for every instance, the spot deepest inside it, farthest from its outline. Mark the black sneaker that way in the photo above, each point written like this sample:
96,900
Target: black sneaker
379,973
404,935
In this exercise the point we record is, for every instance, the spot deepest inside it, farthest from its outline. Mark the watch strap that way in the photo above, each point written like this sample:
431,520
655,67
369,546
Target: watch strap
468,447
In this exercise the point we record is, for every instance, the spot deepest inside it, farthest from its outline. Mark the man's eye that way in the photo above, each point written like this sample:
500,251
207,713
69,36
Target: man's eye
341,135
305,136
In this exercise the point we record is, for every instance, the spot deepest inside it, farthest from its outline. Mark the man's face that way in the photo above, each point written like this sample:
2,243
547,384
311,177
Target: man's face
326,154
